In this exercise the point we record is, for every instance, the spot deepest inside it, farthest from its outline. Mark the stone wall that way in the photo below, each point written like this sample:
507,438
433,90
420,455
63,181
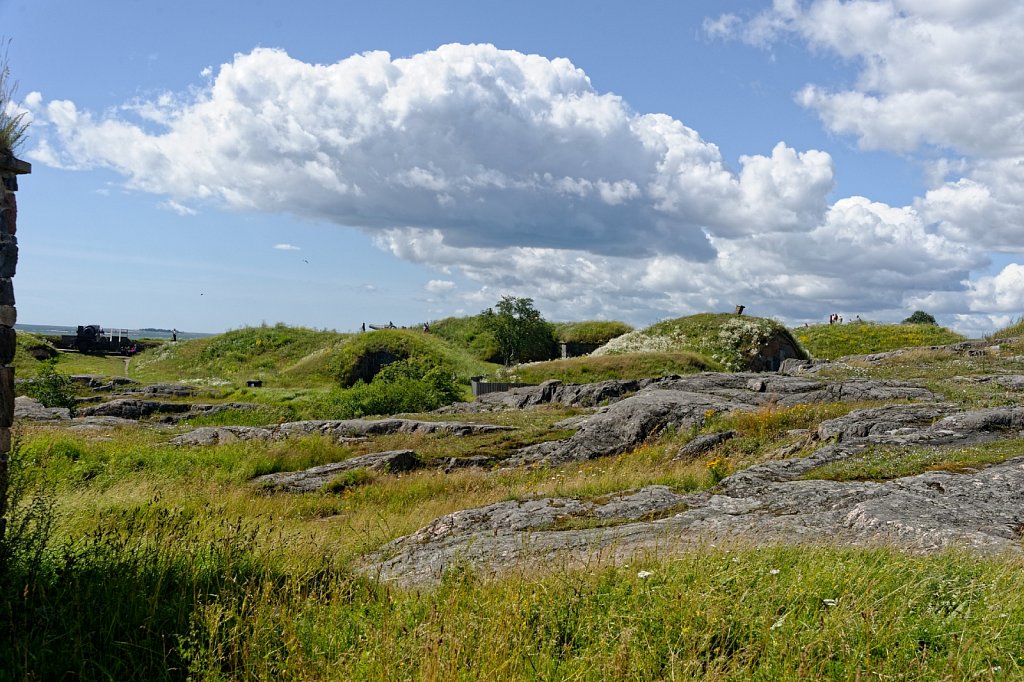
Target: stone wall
10,169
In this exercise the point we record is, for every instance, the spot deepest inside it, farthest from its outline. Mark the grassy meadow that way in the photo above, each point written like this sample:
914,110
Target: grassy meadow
135,559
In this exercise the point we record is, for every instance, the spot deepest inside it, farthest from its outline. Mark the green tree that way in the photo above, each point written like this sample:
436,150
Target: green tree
521,332
920,317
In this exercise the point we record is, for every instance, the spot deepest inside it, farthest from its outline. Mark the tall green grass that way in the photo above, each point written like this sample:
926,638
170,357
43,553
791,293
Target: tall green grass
831,341
166,607
1014,330
590,369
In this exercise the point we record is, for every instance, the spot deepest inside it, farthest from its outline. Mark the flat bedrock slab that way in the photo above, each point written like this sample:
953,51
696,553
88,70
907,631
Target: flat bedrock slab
686,402
337,429
314,478
135,408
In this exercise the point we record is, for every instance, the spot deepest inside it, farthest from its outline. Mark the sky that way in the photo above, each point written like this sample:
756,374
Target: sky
210,165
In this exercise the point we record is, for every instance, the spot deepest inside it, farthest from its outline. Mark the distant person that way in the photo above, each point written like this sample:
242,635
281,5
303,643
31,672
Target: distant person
426,328
391,325
174,336
364,327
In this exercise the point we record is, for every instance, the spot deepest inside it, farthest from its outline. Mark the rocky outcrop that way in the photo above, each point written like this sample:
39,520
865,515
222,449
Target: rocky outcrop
130,408
313,479
134,408
31,409
338,429
685,402
981,510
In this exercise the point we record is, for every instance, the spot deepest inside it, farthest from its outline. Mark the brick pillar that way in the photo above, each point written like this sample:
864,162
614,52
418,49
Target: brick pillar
10,169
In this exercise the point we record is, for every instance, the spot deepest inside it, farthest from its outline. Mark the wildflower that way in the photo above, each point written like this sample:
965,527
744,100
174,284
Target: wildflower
774,571
644,574
778,624
830,602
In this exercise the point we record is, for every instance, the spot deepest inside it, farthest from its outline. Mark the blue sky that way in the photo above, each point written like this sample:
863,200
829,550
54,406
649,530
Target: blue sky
206,166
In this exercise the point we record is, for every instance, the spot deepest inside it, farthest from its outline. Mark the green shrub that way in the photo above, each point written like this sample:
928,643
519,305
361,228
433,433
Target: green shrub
920,317
52,388
411,385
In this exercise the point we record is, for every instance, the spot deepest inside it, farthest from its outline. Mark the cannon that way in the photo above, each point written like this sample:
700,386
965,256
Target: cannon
91,338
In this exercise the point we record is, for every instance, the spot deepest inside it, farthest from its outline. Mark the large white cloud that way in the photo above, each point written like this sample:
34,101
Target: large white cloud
934,76
1003,292
492,147
516,172
936,72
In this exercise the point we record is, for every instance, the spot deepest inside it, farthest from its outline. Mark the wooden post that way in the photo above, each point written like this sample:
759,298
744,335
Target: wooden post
10,169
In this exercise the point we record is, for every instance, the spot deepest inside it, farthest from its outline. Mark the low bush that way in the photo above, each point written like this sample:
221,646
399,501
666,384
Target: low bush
51,388
411,385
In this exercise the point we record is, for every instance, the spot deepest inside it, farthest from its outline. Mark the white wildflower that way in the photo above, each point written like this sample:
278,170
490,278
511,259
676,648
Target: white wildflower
830,602
644,574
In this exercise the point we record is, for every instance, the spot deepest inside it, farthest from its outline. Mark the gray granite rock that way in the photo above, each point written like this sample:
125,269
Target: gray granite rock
980,510
31,409
313,479
339,429
685,402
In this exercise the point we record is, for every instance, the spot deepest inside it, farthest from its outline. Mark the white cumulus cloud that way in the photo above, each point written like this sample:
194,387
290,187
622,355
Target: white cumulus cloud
492,147
517,172
439,286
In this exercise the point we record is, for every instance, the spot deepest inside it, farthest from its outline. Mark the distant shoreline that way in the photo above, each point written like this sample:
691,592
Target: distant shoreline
144,333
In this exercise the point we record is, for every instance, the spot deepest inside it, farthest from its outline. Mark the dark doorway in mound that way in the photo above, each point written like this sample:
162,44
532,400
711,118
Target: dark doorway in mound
369,364
779,347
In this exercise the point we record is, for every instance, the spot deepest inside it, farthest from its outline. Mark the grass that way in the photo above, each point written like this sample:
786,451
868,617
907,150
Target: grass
166,563
831,341
164,606
1014,330
591,331
883,463
590,369
287,356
